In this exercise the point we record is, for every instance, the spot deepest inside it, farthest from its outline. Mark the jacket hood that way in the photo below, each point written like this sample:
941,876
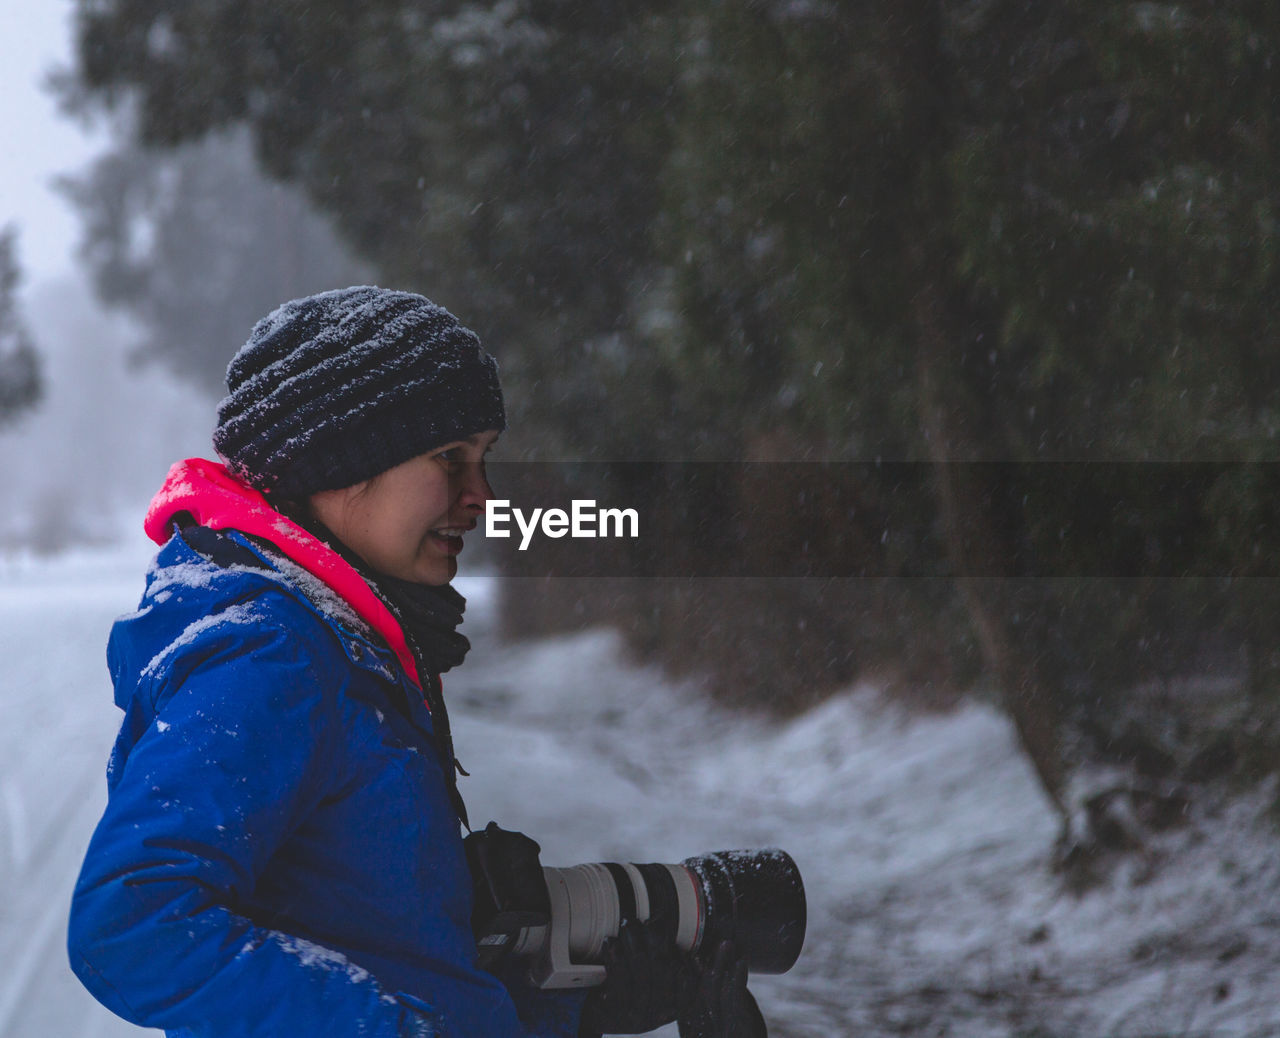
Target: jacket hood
213,497
186,596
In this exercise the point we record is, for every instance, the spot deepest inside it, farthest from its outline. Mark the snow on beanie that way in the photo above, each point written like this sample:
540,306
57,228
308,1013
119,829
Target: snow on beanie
335,388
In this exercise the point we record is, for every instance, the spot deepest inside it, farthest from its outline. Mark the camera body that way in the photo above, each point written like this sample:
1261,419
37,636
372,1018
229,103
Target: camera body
557,920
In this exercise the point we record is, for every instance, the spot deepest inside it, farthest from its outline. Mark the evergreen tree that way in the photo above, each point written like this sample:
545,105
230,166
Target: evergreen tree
991,237
20,383
499,157
1029,249
197,245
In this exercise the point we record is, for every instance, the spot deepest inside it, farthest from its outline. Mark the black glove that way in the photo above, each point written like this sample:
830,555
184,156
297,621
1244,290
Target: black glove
719,1004
509,892
647,980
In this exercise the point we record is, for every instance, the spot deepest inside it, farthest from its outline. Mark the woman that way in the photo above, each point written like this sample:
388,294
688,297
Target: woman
281,854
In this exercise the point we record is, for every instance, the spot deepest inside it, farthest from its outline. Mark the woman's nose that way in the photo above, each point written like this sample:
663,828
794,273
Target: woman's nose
473,487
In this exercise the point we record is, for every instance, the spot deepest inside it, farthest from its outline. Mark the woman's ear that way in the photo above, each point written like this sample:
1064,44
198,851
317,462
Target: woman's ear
330,506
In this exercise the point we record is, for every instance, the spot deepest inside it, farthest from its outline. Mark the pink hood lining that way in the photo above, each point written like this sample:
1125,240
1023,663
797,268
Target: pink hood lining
216,499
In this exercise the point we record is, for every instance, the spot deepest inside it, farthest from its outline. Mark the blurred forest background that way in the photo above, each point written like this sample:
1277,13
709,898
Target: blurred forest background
964,311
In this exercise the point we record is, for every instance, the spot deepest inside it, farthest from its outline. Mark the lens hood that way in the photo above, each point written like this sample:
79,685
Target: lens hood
756,900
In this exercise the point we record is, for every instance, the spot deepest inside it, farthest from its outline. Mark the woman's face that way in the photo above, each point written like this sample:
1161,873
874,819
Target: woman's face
408,522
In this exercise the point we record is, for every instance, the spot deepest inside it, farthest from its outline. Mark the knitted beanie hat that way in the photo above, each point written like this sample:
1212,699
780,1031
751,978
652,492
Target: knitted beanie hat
335,388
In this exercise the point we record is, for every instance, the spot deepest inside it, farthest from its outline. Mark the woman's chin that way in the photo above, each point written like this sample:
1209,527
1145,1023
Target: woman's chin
435,571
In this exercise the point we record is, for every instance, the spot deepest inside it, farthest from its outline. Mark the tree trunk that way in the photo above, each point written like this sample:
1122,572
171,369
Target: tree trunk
956,434
983,562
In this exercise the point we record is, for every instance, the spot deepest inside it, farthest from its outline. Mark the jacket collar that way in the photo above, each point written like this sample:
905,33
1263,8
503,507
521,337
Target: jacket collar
215,498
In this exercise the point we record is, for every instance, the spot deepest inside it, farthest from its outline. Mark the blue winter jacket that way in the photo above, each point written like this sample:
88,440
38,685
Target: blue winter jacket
279,856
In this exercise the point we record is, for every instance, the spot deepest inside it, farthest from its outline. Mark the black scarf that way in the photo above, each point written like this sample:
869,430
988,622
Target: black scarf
429,616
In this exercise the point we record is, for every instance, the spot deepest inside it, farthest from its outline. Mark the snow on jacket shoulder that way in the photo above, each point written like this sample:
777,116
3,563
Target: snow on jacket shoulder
278,856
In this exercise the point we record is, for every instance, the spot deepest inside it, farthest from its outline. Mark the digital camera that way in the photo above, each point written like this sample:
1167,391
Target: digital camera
559,921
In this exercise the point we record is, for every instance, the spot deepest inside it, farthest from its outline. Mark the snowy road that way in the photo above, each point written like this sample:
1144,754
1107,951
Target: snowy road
56,725
922,841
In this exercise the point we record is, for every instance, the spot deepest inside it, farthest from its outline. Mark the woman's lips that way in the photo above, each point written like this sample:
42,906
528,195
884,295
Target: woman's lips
449,539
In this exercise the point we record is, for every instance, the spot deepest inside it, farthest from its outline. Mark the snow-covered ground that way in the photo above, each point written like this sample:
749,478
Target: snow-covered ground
923,840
